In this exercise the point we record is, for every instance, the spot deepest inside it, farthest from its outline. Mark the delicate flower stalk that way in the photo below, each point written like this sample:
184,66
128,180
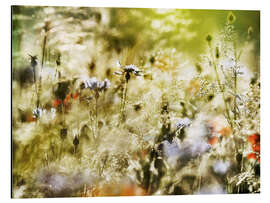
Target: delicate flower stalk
227,115
34,65
76,143
123,100
209,39
63,135
199,173
46,30
97,87
96,113
58,64
235,74
126,71
235,79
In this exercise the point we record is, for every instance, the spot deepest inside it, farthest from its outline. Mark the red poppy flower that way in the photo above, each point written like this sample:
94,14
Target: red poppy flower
254,156
56,103
131,190
254,138
213,140
256,147
67,99
75,95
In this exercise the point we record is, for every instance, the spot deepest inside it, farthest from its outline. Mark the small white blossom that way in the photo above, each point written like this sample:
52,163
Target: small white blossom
171,149
132,69
53,113
91,83
104,84
75,132
118,64
128,69
221,167
94,84
181,123
37,112
199,147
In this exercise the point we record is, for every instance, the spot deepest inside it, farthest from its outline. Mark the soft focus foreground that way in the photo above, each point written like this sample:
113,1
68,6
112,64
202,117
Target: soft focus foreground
124,102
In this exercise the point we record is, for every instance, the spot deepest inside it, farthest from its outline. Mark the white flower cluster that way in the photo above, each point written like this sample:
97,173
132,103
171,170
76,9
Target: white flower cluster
38,113
94,84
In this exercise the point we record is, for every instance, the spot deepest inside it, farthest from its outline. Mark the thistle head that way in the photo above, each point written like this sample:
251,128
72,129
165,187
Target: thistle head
98,86
104,85
128,70
182,123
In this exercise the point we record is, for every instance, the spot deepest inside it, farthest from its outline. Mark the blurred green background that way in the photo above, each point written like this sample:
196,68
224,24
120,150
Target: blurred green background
120,28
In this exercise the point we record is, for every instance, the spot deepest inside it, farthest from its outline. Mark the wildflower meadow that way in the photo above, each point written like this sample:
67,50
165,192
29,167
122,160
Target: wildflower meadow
127,101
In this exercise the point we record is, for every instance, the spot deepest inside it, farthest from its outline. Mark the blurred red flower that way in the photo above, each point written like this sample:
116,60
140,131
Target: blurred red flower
56,103
67,99
226,131
254,140
256,148
254,156
213,140
75,95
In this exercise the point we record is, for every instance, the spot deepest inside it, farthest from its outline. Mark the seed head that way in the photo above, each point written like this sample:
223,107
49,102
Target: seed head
231,18
63,133
217,53
76,141
250,31
128,70
208,38
33,60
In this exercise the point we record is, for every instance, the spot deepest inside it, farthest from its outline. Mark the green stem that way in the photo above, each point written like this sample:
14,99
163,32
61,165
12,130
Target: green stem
43,50
220,86
96,115
235,81
229,119
123,103
235,92
35,81
42,62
